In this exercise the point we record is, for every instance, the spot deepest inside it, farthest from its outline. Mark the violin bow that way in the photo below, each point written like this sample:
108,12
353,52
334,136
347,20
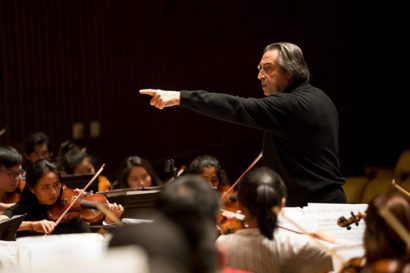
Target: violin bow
78,196
322,246
400,188
226,193
180,171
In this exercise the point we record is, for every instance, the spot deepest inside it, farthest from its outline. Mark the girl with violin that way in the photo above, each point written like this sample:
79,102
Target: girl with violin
137,172
72,159
262,247
42,192
10,177
385,250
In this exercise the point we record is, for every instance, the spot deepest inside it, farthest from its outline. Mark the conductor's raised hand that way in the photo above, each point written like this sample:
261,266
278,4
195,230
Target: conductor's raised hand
161,98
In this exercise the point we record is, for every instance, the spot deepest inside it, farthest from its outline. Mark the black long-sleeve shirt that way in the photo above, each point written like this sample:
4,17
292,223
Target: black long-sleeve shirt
300,140
38,212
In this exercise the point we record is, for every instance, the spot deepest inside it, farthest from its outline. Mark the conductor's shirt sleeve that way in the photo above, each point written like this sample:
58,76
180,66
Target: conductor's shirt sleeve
269,113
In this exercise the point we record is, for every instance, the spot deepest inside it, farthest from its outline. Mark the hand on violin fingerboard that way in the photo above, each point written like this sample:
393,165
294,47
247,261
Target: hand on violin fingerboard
116,209
161,98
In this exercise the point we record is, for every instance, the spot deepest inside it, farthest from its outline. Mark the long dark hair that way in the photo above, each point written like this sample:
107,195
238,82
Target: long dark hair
260,191
203,161
137,161
380,240
34,173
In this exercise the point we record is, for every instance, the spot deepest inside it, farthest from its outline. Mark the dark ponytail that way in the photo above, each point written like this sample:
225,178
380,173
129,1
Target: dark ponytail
260,191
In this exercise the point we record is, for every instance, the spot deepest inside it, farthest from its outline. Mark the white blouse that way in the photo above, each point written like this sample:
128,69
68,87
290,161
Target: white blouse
288,252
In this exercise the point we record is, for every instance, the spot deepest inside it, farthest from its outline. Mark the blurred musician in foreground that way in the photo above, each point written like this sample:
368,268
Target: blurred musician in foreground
137,172
209,168
262,247
193,205
10,174
44,189
164,242
385,250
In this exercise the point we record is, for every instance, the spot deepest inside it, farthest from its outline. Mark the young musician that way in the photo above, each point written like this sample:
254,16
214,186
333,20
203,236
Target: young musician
37,147
137,172
384,247
74,160
209,168
10,183
44,189
262,247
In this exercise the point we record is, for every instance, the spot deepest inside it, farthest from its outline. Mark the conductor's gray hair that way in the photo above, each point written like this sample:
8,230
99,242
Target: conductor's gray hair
291,59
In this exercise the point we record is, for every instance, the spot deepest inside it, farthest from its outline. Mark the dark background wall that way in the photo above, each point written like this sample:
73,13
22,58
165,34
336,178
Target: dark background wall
67,61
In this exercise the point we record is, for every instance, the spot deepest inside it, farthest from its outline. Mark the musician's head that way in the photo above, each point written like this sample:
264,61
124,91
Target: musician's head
162,240
194,206
43,181
74,160
137,172
37,147
209,168
381,241
262,194
10,168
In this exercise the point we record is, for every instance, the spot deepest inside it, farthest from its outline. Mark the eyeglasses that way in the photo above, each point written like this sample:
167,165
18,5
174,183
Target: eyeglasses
268,68
12,175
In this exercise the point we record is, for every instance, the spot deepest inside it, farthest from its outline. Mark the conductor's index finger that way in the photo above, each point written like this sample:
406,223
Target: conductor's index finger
150,92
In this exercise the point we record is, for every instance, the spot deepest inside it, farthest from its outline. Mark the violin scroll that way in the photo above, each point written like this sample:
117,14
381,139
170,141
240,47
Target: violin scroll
354,219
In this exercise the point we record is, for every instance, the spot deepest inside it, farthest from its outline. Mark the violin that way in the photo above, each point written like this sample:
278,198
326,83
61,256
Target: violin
358,265
83,207
231,222
14,197
354,219
354,265
230,219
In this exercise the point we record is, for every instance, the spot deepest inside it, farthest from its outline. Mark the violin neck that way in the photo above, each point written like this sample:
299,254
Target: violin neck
89,204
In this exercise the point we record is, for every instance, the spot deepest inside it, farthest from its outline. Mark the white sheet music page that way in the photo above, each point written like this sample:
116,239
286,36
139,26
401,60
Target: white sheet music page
300,217
326,216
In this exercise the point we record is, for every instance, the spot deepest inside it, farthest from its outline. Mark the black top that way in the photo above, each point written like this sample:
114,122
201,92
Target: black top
300,140
38,212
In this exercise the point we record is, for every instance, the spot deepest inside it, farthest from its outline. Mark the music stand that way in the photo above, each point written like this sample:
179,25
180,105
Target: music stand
134,200
79,181
9,227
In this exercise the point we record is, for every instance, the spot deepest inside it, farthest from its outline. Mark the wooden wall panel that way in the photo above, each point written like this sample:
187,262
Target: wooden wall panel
67,61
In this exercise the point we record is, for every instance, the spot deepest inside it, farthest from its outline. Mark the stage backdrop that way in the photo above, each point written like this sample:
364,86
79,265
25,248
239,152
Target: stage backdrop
80,63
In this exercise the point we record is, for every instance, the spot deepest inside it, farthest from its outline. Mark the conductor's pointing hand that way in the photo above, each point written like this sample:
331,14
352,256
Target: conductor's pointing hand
162,98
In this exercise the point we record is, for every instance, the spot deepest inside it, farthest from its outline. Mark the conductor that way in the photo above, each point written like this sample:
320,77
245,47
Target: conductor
299,123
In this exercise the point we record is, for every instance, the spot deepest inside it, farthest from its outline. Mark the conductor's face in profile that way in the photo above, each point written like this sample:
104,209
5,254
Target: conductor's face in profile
273,78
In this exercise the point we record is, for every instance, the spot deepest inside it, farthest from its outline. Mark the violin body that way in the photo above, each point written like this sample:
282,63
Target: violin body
354,265
358,265
80,209
14,197
228,221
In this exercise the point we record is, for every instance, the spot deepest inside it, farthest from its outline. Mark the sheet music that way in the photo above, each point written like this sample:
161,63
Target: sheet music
300,217
35,251
326,216
8,254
